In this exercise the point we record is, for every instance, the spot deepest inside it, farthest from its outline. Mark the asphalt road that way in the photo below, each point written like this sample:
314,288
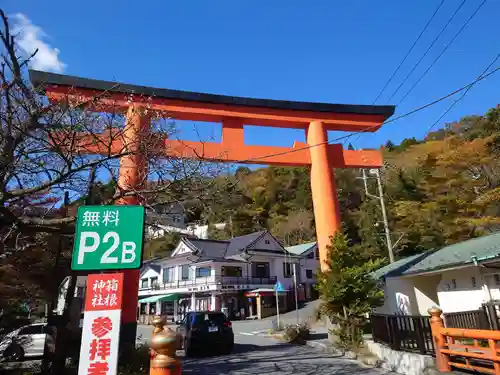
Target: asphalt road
255,354
260,355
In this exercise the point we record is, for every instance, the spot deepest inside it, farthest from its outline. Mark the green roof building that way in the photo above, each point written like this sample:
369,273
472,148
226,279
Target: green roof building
458,277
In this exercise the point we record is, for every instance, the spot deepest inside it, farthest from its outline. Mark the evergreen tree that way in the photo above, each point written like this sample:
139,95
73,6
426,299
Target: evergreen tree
347,289
389,145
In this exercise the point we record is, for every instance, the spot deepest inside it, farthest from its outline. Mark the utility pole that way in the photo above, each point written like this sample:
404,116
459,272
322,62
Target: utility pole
364,181
384,217
380,197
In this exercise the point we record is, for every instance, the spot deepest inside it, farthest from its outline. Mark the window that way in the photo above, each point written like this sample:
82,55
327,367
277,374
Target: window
497,279
144,283
267,242
310,255
287,269
231,271
168,275
260,269
80,291
454,284
203,271
309,274
32,330
154,282
49,330
167,308
317,253
210,318
185,272
473,279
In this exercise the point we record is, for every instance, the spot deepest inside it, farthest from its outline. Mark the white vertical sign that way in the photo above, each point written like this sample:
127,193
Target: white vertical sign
101,325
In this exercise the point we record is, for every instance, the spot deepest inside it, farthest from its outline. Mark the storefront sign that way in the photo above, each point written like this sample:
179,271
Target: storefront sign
101,324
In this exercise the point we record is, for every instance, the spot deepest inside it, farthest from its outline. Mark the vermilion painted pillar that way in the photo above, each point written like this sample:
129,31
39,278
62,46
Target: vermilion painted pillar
132,177
437,325
324,192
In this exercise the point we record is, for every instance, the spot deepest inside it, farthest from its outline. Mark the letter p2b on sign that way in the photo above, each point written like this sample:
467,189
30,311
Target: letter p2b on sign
108,238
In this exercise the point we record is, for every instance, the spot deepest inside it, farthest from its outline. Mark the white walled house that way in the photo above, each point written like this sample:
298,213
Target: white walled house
171,215
199,231
459,277
236,276
308,266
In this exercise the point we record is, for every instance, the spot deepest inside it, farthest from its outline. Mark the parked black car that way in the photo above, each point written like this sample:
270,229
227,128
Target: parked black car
203,331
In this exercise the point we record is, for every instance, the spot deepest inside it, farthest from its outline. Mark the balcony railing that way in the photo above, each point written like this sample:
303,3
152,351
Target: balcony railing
220,280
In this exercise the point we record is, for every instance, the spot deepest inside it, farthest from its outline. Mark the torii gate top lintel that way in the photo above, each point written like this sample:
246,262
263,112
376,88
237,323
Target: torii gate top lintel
211,107
233,113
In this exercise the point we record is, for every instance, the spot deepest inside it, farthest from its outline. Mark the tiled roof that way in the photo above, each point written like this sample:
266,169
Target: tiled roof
482,249
229,250
300,249
152,266
238,244
396,268
209,249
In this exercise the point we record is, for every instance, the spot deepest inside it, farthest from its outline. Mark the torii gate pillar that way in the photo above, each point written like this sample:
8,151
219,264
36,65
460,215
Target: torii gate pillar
132,177
324,192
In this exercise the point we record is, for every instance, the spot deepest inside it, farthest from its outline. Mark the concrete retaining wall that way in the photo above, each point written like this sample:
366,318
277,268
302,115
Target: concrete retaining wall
401,362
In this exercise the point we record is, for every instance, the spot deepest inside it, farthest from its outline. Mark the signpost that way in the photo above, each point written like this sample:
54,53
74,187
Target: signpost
277,289
296,294
108,238
101,324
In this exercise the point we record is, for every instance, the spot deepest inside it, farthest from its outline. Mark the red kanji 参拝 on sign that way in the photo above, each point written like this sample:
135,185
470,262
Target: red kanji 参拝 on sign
100,348
104,292
101,326
98,368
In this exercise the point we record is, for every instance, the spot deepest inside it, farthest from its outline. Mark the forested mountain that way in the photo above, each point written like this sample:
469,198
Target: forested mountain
440,190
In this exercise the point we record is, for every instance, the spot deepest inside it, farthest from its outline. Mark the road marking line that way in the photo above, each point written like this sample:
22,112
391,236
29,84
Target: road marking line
246,333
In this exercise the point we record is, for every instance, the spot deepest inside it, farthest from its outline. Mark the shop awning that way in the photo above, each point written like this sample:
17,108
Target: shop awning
160,298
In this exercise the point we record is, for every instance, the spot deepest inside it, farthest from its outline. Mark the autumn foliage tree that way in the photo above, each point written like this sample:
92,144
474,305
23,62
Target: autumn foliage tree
44,153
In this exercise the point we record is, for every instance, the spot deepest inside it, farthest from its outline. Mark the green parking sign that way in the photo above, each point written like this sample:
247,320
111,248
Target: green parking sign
108,238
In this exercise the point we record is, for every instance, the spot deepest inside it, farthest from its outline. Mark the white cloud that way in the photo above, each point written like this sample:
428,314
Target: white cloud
30,38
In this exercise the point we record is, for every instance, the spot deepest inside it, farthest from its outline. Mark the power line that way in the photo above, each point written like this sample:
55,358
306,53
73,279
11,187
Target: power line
444,50
418,109
428,50
409,51
462,96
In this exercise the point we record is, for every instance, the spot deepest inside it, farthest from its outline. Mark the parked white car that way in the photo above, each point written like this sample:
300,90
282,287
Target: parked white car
28,341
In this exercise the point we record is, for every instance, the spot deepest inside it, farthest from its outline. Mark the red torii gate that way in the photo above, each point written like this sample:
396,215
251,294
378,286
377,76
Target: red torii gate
233,112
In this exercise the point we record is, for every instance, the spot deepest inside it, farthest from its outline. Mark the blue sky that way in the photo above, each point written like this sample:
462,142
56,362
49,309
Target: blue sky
326,51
